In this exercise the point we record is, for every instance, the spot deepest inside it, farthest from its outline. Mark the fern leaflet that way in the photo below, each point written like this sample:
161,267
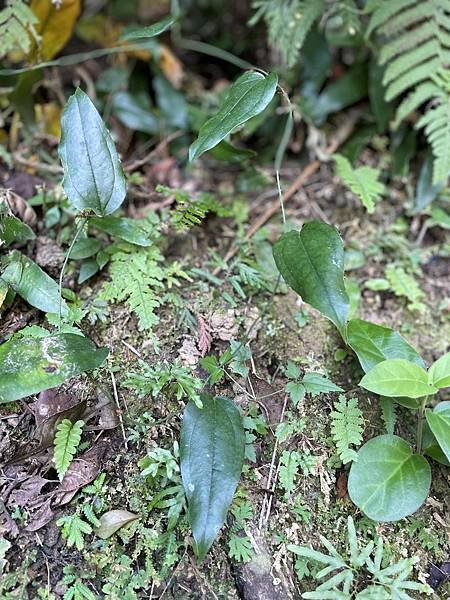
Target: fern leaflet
17,22
346,427
363,181
67,439
288,23
388,414
404,284
73,530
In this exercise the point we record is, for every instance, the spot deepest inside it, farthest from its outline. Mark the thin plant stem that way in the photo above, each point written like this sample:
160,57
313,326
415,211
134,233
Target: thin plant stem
63,268
420,424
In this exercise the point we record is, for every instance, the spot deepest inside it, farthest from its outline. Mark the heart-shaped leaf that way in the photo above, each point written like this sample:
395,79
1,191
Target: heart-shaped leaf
93,175
398,377
439,372
439,422
388,482
28,280
112,520
248,96
311,262
212,453
374,343
31,365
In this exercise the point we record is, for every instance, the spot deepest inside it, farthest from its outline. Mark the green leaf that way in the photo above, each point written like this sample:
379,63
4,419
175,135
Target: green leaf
426,191
112,520
13,230
28,280
93,175
248,96
316,384
363,181
296,390
151,31
67,440
388,482
85,248
397,377
431,446
311,262
31,365
125,229
212,453
439,372
240,355
374,343
439,422
135,112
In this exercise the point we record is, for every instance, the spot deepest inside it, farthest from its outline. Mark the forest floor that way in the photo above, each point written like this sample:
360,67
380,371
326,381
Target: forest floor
278,502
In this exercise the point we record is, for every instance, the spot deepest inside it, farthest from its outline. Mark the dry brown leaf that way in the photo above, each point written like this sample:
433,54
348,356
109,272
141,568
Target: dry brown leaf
19,207
204,335
56,22
112,521
28,491
41,517
171,66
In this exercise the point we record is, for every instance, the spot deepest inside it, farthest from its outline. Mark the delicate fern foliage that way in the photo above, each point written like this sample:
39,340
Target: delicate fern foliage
404,284
415,49
17,22
288,23
363,181
346,428
67,439
388,414
73,530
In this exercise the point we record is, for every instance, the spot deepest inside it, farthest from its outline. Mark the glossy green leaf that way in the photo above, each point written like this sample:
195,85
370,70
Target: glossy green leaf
374,343
31,365
85,248
125,229
311,262
388,482
439,422
113,520
431,446
212,453
229,153
93,175
28,280
135,112
13,229
397,377
88,268
151,30
248,96
439,372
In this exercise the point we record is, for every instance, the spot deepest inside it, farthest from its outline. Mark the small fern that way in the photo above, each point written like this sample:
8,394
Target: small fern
288,23
73,530
388,414
17,22
404,284
67,439
346,428
363,181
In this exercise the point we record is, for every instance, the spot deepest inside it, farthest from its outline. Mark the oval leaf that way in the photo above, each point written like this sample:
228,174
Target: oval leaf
374,343
311,262
212,454
126,229
13,229
397,377
135,112
388,482
31,365
56,21
439,422
439,372
33,284
248,96
112,521
93,175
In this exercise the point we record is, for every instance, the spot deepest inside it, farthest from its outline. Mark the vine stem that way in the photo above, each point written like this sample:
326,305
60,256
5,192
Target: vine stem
63,268
420,424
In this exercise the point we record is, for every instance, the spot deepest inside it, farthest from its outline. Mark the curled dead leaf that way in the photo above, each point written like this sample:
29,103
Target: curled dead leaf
112,521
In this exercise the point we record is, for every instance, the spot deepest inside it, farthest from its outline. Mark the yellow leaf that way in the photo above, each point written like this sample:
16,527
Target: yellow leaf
48,117
56,21
171,66
100,30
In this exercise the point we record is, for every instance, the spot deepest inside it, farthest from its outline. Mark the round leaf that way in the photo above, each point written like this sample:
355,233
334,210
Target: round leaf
397,377
311,262
248,96
31,365
439,422
93,175
212,453
388,482
439,372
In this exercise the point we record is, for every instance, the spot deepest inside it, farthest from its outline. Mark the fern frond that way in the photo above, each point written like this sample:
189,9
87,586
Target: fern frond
346,427
17,22
388,414
404,284
288,23
363,181
67,439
